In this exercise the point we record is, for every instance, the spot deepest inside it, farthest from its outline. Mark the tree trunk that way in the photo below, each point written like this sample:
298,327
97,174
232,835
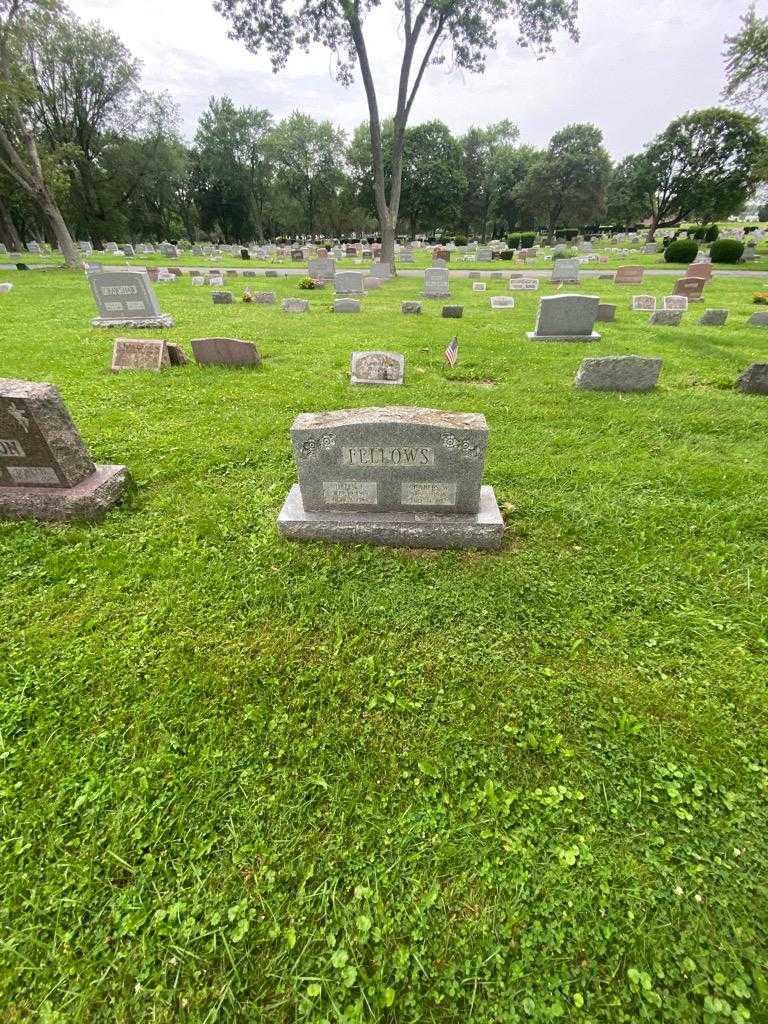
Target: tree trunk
651,230
72,256
8,233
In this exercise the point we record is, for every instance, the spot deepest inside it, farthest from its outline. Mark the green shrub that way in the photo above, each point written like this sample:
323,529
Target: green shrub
727,250
684,250
506,254
712,233
513,240
527,239
698,234
460,240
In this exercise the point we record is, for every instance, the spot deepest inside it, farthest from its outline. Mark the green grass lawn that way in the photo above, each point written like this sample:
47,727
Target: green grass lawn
422,259
245,780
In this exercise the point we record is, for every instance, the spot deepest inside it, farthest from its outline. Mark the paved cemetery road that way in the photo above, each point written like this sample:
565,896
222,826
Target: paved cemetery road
302,271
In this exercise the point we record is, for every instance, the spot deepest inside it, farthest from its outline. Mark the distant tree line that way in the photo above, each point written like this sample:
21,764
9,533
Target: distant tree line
84,150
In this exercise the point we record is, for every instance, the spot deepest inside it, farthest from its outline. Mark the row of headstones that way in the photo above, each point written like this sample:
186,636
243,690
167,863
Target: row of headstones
608,373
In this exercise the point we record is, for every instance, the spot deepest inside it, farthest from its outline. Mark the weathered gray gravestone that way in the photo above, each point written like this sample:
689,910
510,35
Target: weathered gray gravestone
295,305
502,302
46,472
713,318
566,318
139,354
524,284
453,312
371,284
347,306
410,308
618,373
758,320
565,272
377,368
225,352
321,269
436,284
223,298
754,380
348,282
398,476
606,313
676,302
666,318
264,298
644,303
125,299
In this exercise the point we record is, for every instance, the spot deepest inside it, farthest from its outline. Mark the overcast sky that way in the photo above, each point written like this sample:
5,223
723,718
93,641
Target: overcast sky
639,63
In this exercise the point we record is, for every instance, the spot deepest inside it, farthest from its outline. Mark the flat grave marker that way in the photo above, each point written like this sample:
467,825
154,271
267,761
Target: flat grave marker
377,368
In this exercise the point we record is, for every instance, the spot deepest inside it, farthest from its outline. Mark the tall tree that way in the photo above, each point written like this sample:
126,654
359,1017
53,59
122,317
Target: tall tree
569,180
308,157
83,83
468,27
746,65
703,165
19,152
231,168
484,150
433,178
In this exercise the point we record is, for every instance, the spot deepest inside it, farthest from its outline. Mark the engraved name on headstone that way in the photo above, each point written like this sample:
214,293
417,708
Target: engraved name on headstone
400,476
125,298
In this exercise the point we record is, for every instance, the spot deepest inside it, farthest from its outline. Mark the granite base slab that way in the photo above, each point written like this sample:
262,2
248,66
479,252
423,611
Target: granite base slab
484,531
87,501
148,321
533,336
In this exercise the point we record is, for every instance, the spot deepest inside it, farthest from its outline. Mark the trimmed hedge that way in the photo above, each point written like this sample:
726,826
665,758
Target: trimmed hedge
727,250
712,233
684,250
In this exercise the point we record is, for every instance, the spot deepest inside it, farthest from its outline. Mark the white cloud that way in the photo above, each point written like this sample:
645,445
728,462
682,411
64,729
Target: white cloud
636,67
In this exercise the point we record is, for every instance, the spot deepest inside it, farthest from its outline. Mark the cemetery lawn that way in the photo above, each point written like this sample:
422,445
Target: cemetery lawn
245,780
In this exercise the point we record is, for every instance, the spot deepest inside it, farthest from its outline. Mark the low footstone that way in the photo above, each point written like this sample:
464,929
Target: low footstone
264,298
377,368
713,318
139,354
410,308
371,284
176,354
618,373
606,313
398,476
453,312
754,380
347,306
666,318
270,273
225,352
46,472
222,298
295,305
758,320
502,302
643,303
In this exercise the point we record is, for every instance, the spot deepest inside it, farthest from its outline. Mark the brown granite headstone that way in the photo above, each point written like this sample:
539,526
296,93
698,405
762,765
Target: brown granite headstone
225,352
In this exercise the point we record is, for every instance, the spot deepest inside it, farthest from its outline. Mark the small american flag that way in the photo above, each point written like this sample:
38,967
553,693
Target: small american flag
452,352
